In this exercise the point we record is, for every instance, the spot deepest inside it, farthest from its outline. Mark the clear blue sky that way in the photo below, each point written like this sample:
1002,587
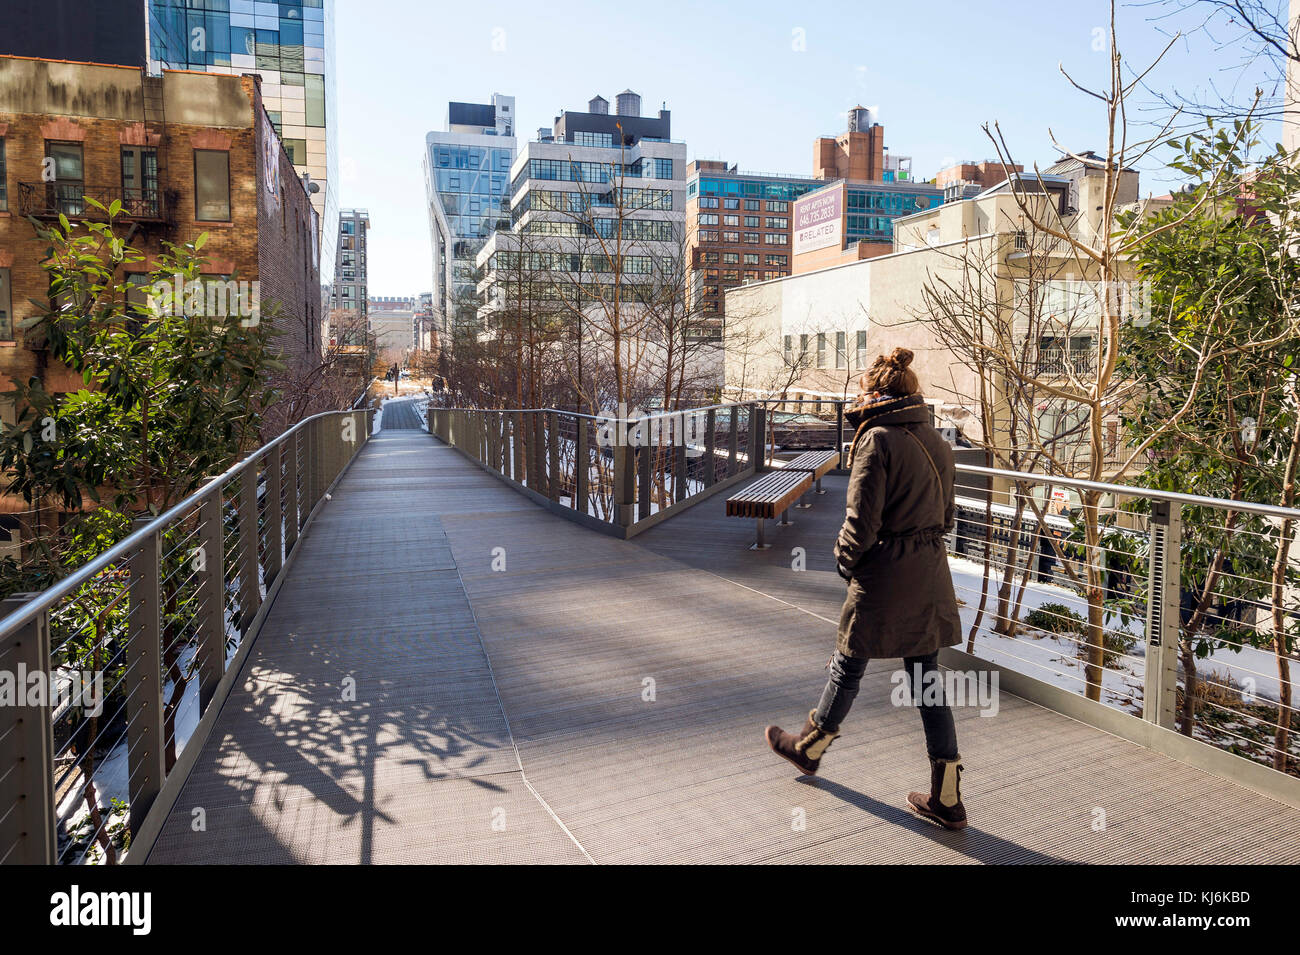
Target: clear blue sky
736,83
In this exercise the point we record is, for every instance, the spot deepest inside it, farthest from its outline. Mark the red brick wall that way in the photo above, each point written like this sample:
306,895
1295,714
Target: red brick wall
258,243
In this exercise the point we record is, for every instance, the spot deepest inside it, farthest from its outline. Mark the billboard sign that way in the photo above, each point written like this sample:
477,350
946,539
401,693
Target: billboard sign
819,220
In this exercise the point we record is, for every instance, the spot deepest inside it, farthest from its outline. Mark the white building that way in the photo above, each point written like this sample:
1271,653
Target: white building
573,186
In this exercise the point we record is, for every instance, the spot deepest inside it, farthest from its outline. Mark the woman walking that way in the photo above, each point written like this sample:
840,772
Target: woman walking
900,600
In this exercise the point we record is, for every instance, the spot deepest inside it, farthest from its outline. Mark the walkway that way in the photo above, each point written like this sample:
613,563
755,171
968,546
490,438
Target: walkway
529,691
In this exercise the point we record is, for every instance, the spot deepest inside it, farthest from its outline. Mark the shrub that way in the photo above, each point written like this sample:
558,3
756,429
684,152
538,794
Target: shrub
1055,618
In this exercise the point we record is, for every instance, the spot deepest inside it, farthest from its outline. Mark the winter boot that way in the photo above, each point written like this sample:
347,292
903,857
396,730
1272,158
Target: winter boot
803,749
943,805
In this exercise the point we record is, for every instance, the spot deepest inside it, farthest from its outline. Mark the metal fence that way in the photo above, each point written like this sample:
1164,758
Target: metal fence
122,659
618,474
1193,603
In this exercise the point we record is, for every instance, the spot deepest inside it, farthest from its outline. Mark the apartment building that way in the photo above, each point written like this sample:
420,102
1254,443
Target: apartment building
593,182
348,301
738,230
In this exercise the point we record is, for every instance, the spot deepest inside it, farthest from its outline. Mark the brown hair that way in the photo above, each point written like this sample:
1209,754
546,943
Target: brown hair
891,375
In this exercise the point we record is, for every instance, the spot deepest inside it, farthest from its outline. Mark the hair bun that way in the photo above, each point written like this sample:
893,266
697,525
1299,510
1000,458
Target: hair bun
899,358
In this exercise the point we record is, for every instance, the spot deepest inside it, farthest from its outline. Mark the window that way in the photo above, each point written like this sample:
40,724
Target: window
731,220
211,185
841,354
751,258
862,349
751,274
708,218
821,349
66,192
663,169
297,150
752,205
751,222
751,238
775,206
731,237
708,202
140,181
777,222
4,188
6,303
731,203
775,259
731,258
789,350
776,238
584,138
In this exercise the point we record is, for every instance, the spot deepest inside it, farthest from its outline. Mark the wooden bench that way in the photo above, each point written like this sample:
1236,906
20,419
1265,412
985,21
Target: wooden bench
818,464
769,497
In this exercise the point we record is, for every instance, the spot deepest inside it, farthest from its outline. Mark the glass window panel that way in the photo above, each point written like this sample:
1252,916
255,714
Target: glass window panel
212,185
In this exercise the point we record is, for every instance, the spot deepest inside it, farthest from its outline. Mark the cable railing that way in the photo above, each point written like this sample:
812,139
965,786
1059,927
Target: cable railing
135,650
619,475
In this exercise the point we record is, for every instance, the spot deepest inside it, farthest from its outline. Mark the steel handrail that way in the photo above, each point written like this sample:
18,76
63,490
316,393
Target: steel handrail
124,548
1133,490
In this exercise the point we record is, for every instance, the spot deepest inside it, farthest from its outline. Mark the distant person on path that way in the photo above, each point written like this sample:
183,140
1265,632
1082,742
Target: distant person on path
900,599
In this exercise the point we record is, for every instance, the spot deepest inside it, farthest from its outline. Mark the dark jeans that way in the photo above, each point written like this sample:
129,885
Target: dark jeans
842,687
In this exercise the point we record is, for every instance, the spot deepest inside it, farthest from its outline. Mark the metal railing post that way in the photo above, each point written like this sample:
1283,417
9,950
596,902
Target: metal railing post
710,447
839,434
624,489
552,457
211,598
645,455
250,586
274,512
757,437
292,521
581,466
1164,584
146,765
26,747
733,447
519,448
311,469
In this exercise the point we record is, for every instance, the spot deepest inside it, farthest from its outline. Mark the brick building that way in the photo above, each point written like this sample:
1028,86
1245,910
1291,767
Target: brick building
187,153
738,230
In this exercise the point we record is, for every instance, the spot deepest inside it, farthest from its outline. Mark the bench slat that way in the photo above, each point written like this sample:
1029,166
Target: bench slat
769,495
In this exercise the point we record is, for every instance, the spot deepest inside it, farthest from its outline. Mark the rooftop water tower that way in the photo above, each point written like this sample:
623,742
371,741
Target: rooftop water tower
627,103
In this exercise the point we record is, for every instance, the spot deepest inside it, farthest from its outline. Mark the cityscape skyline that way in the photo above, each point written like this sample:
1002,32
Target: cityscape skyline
927,102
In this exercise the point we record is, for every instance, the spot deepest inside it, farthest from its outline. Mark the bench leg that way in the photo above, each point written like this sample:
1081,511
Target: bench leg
759,542
819,486
785,518
804,502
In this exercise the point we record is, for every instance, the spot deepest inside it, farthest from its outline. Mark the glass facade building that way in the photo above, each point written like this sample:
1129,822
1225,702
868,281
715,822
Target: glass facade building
290,43
870,213
467,181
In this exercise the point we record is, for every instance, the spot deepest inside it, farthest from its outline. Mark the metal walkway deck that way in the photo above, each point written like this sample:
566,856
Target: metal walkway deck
604,700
